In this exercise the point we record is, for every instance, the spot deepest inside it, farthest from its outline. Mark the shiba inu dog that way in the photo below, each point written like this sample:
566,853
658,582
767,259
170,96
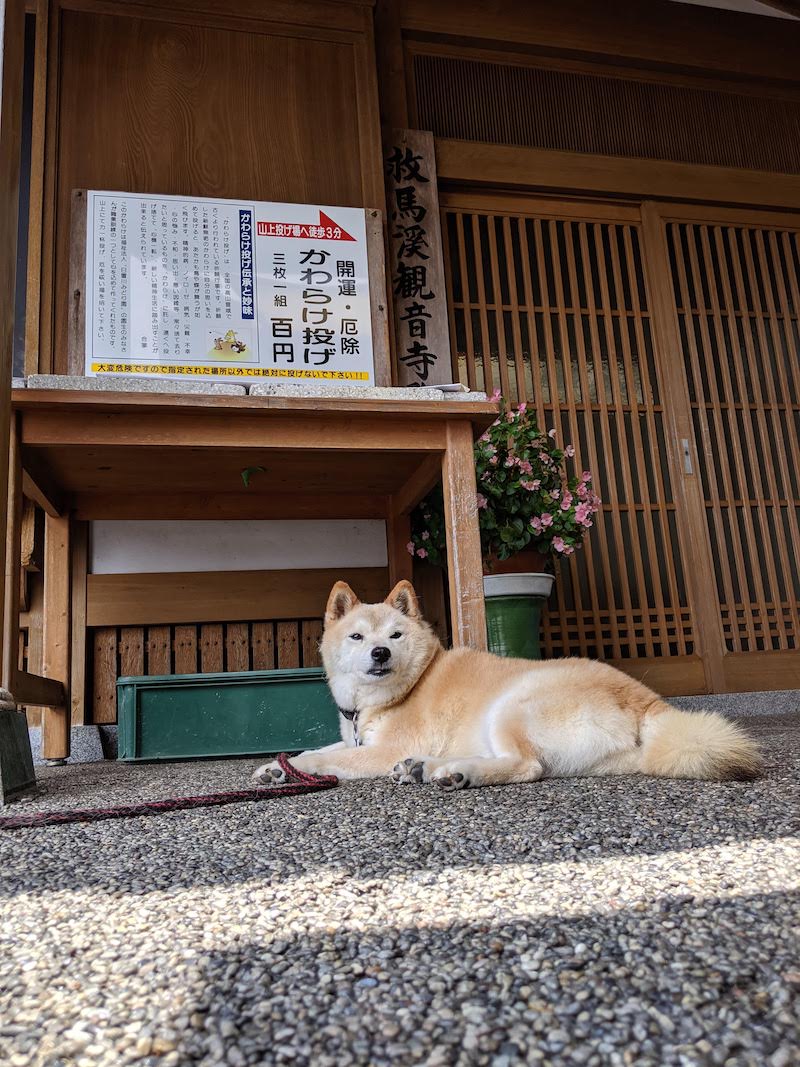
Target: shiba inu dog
414,711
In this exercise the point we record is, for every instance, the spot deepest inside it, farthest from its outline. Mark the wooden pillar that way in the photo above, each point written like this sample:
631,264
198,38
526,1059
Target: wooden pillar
77,674
13,566
398,534
12,49
464,561
56,655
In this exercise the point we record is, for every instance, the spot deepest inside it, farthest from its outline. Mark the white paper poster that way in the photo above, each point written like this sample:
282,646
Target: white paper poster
219,289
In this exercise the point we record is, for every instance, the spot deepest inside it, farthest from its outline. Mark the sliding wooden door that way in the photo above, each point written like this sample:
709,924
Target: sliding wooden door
734,279
665,348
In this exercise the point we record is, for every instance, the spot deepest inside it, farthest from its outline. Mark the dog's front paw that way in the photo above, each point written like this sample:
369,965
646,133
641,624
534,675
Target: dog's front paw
450,778
408,772
270,774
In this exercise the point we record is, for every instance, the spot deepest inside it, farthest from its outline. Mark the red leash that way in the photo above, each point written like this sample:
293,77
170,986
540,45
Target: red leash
297,782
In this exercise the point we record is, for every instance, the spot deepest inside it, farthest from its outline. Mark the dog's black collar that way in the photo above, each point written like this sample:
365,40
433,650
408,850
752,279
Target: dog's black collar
352,716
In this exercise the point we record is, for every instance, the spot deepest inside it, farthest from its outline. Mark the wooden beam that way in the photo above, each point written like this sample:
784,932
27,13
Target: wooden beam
221,596
56,656
418,485
464,560
248,505
788,7
401,562
38,486
12,49
35,691
535,168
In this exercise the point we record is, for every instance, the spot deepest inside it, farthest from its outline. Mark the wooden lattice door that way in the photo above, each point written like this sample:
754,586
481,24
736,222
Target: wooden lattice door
734,278
666,350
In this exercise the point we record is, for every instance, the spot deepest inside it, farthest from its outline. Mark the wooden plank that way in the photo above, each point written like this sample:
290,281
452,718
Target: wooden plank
32,689
263,646
336,433
429,584
692,532
131,652
186,650
56,635
32,536
76,328
36,192
38,486
311,635
159,650
398,536
390,65
104,675
221,596
426,476
211,649
288,644
728,43
78,650
252,505
13,565
756,672
12,42
378,297
422,333
465,571
667,675
468,161
34,620
237,647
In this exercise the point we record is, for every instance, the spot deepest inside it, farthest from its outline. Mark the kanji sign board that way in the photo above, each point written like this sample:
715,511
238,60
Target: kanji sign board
220,289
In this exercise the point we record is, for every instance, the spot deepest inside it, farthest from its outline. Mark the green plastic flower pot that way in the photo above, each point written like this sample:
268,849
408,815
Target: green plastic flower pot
513,612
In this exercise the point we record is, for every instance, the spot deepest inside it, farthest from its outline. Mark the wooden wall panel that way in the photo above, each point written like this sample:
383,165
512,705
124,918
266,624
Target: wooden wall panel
242,104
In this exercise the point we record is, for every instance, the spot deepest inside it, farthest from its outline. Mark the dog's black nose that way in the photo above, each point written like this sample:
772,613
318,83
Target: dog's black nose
381,654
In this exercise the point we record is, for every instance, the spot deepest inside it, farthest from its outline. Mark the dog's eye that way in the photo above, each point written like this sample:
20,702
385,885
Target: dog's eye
395,635
356,637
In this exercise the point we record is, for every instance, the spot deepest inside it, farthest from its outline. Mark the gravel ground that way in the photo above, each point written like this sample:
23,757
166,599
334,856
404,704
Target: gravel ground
597,921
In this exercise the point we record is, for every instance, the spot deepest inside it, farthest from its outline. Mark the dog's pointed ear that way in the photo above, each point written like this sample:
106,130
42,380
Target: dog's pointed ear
404,599
341,600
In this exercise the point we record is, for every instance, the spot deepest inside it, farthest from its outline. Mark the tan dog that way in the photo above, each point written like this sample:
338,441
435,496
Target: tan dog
414,711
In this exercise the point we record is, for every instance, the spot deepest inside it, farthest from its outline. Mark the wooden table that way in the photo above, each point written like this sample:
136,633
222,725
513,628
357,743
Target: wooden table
87,455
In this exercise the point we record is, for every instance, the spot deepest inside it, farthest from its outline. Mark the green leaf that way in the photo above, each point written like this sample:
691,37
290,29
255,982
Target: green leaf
248,472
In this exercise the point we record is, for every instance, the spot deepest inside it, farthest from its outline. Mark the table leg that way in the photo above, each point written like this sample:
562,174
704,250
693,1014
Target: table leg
464,563
56,656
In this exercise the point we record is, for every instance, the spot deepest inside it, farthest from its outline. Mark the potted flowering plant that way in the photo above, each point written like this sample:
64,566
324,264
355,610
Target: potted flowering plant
531,512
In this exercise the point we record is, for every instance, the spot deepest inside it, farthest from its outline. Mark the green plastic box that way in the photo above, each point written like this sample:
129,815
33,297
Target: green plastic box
243,713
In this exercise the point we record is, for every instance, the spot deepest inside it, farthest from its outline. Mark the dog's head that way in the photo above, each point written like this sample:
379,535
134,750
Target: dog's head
375,653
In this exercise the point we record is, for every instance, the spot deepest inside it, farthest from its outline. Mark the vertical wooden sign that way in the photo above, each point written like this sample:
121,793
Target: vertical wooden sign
417,265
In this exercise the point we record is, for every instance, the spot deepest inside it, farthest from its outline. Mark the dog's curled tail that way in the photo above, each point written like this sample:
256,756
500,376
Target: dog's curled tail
696,744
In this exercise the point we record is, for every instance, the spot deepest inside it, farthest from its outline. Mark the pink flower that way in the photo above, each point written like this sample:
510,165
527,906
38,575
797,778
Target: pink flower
525,466
530,486
582,491
568,550
425,535
522,407
558,544
566,502
569,451
421,553
482,501
586,476
547,519
544,457
551,433
490,450
555,493
410,548
484,436
582,512
510,462
536,523
536,483
495,396
493,460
